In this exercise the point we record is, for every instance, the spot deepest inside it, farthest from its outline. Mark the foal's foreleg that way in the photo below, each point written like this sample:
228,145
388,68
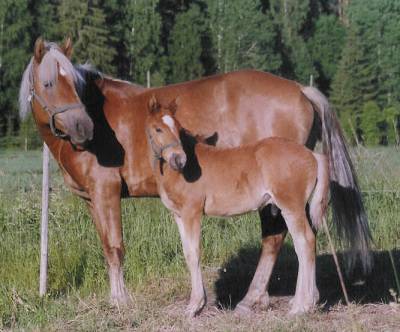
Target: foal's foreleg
190,229
273,234
105,207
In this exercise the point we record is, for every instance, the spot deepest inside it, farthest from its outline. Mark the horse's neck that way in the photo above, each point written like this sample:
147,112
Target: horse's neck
111,87
54,144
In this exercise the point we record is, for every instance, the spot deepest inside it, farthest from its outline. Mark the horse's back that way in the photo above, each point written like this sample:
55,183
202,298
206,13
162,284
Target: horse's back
242,107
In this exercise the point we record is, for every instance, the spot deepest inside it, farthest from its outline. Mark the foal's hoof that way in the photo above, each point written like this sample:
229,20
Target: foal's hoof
263,301
242,310
193,309
246,305
301,308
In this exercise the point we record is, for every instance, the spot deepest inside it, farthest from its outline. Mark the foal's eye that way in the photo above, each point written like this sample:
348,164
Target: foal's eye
158,130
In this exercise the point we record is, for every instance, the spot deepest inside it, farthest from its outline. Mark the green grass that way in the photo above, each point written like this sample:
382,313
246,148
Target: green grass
153,250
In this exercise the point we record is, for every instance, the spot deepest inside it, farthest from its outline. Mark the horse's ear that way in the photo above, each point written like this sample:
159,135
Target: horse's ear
173,105
154,106
67,47
39,49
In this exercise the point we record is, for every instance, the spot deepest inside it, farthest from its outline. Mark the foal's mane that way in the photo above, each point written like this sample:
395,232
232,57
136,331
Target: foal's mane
47,74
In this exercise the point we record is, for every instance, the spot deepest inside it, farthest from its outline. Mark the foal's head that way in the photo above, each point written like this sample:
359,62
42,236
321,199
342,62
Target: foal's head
163,134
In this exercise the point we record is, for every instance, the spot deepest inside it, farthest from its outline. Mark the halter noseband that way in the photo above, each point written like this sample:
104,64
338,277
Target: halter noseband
159,150
51,111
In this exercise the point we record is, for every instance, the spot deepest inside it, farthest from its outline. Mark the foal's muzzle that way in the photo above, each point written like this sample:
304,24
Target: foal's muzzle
177,161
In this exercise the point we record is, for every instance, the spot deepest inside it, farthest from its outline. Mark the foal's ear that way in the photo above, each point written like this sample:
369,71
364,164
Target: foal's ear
154,105
67,47
39,50
173,105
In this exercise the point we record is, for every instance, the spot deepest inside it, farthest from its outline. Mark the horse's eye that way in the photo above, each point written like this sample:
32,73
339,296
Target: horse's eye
48,84
158,130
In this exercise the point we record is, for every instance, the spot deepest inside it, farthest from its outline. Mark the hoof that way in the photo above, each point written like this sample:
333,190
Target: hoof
193,309
246,306
120,300
300,308
263,302
242,310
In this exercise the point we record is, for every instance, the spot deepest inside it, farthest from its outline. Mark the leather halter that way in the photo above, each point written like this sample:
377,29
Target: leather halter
159,150
51,111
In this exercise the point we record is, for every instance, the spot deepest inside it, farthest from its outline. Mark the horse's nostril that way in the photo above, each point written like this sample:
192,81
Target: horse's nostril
80,129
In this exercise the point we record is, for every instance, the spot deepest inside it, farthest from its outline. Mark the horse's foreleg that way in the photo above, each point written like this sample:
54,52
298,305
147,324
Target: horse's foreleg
273,234
105,207
190,231
307,294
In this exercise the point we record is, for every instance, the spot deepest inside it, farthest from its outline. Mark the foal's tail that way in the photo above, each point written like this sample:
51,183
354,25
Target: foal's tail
319,200
348,210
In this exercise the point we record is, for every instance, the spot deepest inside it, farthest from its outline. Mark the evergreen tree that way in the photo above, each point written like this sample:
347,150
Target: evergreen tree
94,40
45,22
327,40
85,22
377,26
371,124
71,14
185,46
346,86
290,18
243,36
391,124
142,40
116,20
15,22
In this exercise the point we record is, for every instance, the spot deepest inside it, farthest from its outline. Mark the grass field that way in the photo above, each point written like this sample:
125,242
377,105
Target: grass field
155,270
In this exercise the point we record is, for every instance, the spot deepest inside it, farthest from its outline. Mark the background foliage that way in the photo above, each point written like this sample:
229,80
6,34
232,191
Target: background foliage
351,47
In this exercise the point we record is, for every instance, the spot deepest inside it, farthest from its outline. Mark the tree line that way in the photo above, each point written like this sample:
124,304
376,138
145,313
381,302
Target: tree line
349,47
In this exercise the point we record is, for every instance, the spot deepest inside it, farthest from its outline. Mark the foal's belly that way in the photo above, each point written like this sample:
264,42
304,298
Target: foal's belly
236,202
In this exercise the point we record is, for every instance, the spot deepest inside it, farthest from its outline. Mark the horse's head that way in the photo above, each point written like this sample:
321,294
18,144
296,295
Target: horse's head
49,88
163,134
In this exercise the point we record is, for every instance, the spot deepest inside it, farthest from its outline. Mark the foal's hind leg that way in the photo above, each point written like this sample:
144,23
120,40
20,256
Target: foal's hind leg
105,207
273,234
304,243
189,225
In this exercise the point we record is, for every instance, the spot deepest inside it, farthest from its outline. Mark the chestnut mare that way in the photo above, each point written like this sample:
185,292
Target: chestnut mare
234,181
94,127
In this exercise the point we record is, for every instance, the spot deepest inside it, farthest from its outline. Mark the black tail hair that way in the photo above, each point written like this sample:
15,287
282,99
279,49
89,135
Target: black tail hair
348,210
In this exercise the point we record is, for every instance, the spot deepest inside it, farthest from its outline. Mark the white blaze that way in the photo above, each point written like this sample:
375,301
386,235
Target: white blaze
62,71
169,121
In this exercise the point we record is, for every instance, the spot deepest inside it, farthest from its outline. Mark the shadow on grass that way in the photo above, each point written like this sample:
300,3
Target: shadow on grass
235,277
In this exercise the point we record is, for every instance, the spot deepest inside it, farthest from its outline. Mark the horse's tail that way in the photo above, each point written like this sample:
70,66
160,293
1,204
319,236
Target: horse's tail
348,210
319,200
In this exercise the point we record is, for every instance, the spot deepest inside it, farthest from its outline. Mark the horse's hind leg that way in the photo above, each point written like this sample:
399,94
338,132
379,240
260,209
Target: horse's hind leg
304,243
105,207
273,234
189,225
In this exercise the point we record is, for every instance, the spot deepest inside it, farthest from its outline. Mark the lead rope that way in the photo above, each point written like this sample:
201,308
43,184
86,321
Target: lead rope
338,269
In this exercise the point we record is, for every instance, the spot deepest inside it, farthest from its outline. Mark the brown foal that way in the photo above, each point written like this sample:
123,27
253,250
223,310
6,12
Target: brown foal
233,181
